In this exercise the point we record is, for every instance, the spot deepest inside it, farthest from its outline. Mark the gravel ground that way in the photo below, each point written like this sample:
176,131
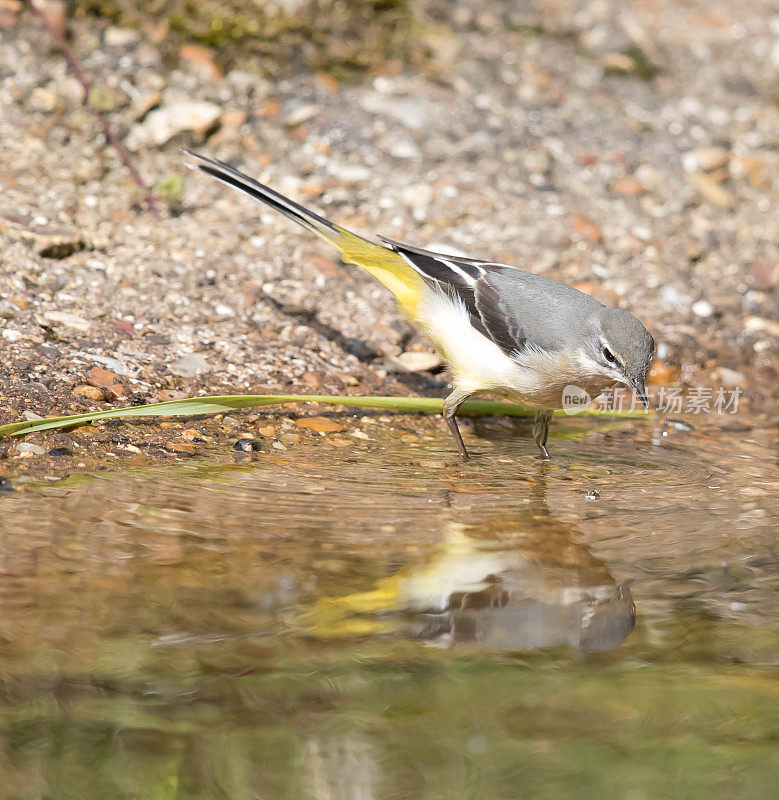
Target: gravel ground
627,148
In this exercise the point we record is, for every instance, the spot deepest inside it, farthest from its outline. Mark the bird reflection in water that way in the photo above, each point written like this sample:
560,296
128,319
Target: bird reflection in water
518,582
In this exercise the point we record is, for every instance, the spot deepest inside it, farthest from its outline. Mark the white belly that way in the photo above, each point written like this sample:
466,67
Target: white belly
534,378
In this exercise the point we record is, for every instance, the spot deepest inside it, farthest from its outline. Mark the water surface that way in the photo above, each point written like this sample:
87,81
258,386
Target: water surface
385,623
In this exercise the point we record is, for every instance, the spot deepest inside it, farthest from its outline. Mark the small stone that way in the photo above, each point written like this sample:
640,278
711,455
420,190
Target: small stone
761,325
702,308
326,82
98,376
628,186
300,115
5,484
162,124
592,494
43,101
60,452
91,392
417,361
662,374
246,445
730,378
11,335
108,361
587,228
47,241
121,37
705,159
201,59
222,310
709,190
55,12
537,161
29,447
319,424
618,63
145,104
408,111
229,126
267,430
350,173
9,310
190,365
107,98
66,320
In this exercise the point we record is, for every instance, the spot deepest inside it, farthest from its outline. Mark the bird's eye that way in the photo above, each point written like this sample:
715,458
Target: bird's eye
608,355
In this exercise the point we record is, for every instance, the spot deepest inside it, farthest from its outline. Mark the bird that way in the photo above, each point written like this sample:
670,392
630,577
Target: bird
502,330
501,581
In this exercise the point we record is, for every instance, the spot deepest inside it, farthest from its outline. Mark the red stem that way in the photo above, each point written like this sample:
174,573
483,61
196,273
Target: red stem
86,85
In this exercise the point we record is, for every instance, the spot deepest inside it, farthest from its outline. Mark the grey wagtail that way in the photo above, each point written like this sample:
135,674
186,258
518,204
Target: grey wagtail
501,330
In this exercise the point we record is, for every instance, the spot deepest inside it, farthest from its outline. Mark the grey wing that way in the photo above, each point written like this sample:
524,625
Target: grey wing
469,280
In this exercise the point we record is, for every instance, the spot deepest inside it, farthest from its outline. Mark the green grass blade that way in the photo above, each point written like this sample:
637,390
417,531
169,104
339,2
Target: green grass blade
219,403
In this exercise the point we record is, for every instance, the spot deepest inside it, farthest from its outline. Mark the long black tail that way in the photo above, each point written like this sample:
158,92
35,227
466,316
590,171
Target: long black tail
381,262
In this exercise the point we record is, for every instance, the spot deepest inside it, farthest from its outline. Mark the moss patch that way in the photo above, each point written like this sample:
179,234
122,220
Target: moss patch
341,37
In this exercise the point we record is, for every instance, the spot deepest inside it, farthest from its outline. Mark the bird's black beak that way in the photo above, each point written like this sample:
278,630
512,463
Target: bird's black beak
640,390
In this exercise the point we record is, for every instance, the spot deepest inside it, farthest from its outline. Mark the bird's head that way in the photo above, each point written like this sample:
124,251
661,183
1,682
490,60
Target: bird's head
622,348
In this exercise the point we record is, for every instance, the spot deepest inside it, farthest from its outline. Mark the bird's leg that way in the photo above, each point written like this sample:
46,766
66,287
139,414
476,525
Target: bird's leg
451,404
541,430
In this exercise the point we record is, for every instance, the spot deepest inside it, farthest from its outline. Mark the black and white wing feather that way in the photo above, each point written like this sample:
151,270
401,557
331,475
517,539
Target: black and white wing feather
469,280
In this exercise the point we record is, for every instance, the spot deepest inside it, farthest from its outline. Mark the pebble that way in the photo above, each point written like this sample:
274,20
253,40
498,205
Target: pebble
246,446
761,325
592,494
300,115
222,310
60,452
417,361
702,308
29,447
119,367
66,320
43,101
91,392
11,335
190,365
99,376
408,111
705,159
628,186
319,424
710,191
107,98
8,310
121,37
162,124
730,378
201,59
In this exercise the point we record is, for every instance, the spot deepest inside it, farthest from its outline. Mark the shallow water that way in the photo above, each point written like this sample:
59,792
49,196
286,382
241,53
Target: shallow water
386,623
